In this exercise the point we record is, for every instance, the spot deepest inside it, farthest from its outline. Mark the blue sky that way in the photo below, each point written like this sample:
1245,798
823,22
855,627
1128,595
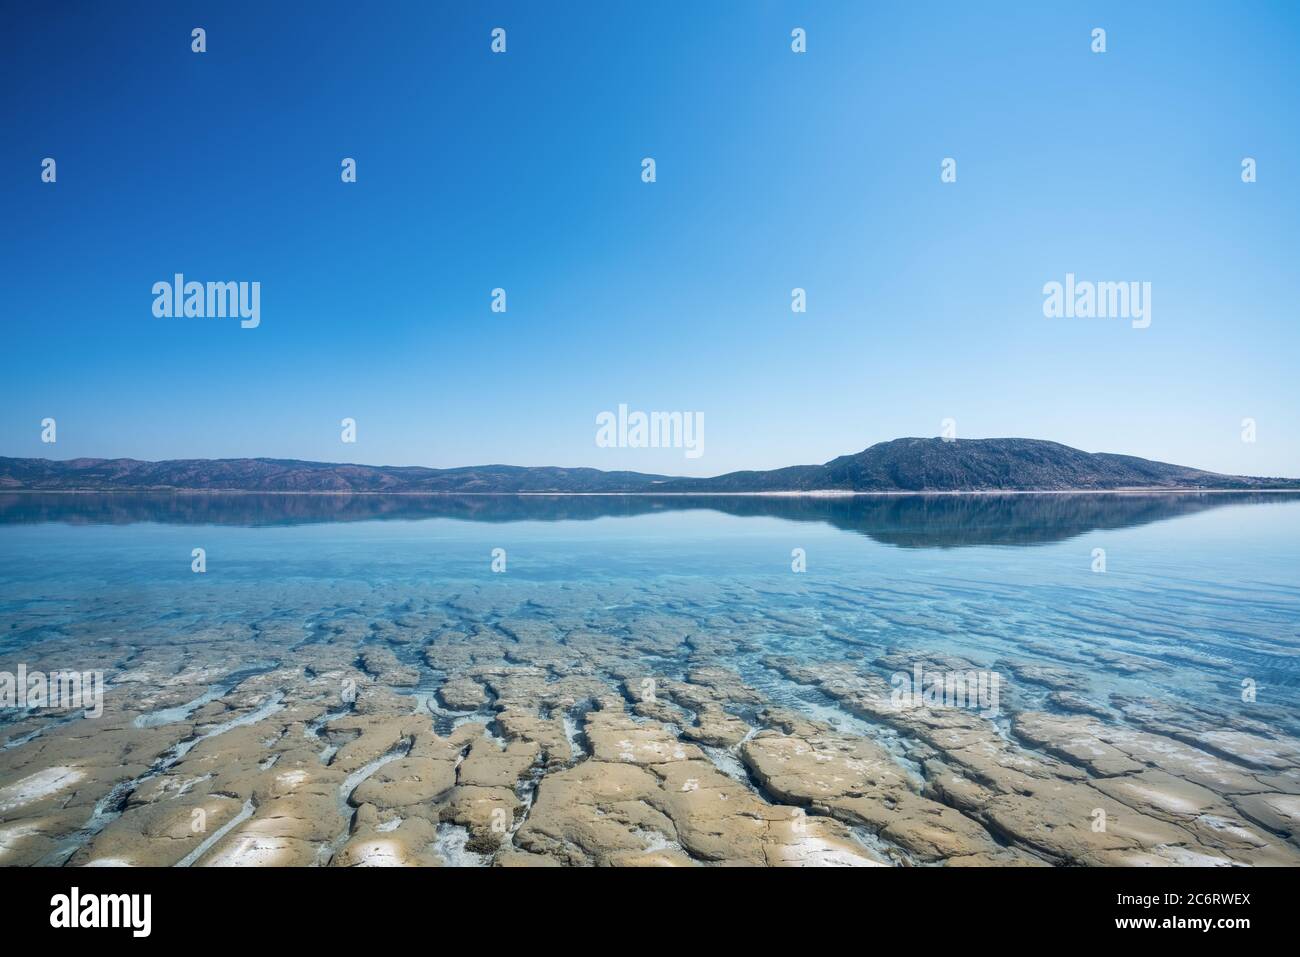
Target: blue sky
774,170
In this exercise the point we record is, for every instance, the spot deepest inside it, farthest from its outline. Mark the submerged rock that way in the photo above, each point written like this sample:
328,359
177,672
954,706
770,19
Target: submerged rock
543,735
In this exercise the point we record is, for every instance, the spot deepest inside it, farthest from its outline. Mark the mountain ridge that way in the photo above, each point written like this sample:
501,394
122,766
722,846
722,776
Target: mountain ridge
898,465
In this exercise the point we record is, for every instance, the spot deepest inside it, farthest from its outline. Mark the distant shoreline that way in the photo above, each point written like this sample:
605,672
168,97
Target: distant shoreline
822,493
907,466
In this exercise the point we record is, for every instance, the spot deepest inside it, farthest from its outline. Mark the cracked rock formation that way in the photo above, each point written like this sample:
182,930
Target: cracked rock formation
490,727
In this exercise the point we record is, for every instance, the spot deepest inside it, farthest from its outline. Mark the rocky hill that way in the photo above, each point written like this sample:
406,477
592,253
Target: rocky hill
903,465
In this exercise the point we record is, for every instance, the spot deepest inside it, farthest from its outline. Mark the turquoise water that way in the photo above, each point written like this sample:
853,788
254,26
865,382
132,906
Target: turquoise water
1200,592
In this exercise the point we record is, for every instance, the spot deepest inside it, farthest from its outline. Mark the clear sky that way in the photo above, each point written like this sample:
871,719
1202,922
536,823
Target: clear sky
774,170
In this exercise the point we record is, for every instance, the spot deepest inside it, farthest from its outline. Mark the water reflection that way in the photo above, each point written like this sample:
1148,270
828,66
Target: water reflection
908,521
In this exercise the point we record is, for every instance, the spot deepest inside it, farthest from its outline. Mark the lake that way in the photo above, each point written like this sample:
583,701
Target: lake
580,680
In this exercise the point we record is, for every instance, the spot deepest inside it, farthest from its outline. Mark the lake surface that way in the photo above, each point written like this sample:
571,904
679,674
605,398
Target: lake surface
1191,630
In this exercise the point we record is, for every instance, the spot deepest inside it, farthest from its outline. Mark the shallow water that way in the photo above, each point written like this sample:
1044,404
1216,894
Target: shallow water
1211,574
1200,593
